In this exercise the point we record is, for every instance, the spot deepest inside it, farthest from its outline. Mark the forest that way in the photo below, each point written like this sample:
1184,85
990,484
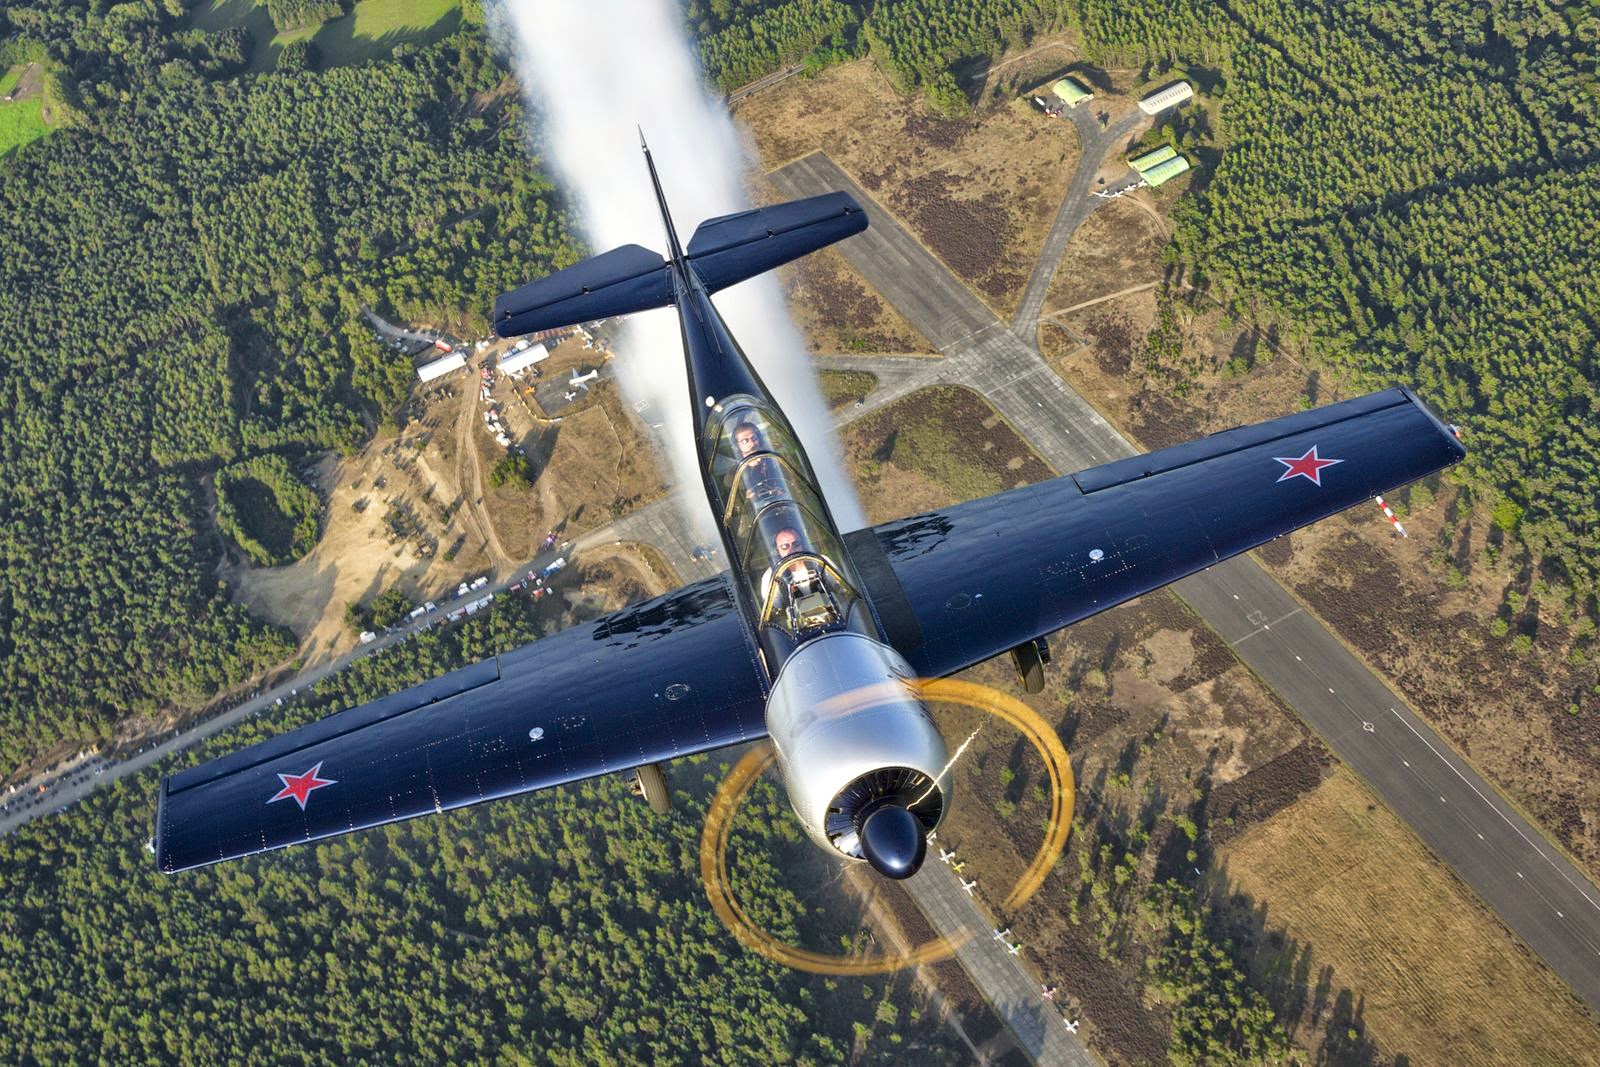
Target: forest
182,277
570,927
1414,187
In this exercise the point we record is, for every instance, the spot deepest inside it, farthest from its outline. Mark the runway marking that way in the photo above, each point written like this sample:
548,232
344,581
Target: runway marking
1253,616
1582,892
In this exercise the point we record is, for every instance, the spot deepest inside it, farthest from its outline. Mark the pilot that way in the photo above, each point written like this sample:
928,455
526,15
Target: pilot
801,579
762,479
746,438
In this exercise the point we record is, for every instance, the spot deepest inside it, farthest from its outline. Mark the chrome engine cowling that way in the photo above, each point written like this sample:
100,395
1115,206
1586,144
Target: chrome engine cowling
853,736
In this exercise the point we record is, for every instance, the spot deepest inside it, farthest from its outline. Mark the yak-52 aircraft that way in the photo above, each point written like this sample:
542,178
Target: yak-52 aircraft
814,636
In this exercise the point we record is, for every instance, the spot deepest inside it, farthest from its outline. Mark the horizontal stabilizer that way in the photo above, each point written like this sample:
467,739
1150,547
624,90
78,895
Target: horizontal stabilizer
727,250
618,282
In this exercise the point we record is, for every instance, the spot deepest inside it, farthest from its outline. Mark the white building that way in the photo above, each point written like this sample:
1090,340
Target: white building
440,367
1161,99
521,361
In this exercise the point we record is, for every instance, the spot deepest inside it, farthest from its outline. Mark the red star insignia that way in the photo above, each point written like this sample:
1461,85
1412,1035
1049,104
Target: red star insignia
1308,466
301,786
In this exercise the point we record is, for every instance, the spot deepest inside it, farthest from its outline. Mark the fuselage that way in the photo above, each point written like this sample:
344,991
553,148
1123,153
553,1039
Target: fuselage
850,731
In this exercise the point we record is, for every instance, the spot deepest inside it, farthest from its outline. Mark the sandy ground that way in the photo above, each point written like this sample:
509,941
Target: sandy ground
1337,889
398,507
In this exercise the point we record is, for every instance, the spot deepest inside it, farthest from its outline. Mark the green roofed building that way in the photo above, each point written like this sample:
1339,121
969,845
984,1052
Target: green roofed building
1164,172
1149,159
1071,92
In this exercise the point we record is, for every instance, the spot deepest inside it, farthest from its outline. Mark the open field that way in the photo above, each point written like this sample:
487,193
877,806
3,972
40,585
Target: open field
1116,248
22,118
981,194
403,504
372,30
843,387
934,447
838,312
1334,890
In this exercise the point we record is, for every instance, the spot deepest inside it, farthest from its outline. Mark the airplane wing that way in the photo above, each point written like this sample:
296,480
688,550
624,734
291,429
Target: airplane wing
961,585
666,678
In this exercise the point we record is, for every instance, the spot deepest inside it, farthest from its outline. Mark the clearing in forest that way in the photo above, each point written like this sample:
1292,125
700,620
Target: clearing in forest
22,111
371,31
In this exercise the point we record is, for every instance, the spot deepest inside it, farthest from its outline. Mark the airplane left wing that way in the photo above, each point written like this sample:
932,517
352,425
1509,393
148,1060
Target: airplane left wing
961,585
666,678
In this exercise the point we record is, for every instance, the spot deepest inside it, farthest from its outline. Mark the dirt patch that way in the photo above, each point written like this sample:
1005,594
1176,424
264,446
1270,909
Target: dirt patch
980,192
1314,894
29,84
398,508
611,577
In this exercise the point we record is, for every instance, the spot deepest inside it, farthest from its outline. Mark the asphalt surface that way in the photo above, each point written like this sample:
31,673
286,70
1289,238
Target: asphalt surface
1534,889
1016,996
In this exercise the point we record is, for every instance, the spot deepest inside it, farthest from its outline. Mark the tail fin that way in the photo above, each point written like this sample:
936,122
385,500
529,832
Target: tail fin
674,252
618,282
722,252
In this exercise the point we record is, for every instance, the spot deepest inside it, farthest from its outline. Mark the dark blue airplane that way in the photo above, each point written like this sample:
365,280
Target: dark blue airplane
813,635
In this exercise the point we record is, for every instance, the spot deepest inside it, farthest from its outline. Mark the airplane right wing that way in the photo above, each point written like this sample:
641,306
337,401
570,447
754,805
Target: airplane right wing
663,679
960,585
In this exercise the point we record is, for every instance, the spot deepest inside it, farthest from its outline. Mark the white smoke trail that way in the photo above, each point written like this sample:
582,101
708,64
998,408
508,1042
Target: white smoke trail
595,72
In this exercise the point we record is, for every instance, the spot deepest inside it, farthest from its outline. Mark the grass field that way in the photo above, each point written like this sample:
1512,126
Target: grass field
373,30
1352,902
22,120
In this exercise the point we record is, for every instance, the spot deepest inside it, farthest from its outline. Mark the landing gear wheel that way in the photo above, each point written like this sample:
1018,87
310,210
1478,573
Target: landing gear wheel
648,782
1029,660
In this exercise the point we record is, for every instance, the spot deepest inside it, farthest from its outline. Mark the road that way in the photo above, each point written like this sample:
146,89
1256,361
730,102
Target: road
762,83
1531,886
1094,145
389,330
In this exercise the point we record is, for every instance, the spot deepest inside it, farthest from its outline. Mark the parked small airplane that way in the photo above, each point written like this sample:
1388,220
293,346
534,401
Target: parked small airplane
946,855
814,635
1015,948
581,381
1072,1026
1001,935
969,886
1048,992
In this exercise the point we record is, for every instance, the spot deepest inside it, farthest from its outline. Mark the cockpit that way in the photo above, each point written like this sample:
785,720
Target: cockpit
799,578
